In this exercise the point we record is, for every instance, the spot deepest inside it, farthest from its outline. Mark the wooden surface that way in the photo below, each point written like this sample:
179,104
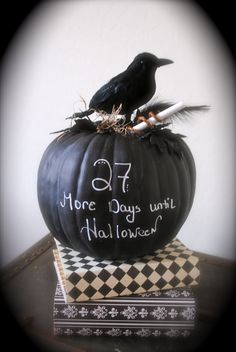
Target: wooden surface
28,287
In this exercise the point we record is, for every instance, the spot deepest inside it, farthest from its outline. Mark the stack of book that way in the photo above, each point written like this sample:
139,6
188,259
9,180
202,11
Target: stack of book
148,296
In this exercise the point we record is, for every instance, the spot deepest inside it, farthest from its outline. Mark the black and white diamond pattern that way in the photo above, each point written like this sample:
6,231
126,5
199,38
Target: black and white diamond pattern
87,278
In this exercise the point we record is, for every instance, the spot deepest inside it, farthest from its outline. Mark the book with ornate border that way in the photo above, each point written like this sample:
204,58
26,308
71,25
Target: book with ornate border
161,313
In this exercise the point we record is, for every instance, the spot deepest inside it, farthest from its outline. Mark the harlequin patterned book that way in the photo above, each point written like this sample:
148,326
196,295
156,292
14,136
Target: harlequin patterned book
161,313
85,278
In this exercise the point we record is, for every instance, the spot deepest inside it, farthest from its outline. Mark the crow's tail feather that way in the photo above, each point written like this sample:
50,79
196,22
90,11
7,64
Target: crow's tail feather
184,113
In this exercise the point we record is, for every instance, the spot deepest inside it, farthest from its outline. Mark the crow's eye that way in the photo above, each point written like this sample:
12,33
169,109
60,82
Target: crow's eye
141,62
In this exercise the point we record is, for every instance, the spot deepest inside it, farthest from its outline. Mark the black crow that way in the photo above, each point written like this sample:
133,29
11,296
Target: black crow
128,90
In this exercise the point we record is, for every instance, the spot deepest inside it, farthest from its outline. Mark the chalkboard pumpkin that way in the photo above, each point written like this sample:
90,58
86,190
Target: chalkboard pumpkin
114,196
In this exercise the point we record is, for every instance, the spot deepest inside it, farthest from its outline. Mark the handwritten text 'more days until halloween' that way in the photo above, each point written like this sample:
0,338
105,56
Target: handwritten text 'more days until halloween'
127,211
114,206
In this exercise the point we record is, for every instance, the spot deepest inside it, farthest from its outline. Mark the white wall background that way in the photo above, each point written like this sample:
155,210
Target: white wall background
70,48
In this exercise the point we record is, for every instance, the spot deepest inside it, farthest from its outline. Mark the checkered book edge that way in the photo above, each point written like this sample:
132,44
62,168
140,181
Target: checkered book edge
86,278
169,313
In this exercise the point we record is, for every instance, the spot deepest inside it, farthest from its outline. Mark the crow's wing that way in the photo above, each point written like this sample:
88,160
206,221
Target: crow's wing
109,95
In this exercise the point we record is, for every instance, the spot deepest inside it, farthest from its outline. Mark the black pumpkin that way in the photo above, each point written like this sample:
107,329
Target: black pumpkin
112,196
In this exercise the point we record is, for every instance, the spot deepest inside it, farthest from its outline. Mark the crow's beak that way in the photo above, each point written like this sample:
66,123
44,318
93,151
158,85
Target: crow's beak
162,62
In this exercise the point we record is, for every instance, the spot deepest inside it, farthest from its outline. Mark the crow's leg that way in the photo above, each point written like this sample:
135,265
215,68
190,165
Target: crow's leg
127,118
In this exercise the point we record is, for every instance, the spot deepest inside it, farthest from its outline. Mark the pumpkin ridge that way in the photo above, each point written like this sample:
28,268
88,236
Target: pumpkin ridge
160,192
80,188
190,166
179,166
58,229
113,217
148,160
189,174
173,184
109,138
86,145
68,234
58,191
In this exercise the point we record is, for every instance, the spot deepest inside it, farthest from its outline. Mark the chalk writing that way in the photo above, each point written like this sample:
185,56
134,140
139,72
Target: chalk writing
125,176
103,180
76,204
109,175
168,203
116,207
92,232
101,184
